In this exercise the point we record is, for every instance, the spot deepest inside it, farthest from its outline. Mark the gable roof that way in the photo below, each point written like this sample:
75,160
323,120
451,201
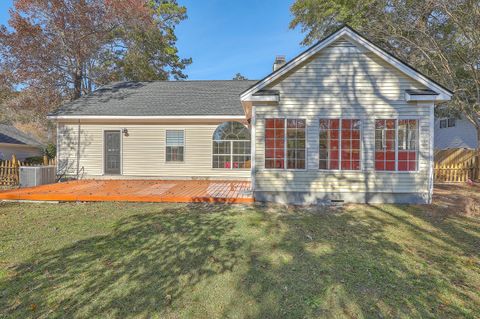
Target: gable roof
346,31
159,99
11,135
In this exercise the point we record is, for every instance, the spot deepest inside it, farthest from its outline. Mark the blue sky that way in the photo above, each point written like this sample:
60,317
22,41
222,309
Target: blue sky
224,37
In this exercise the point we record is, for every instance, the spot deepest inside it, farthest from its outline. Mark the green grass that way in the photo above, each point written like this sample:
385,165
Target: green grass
116,260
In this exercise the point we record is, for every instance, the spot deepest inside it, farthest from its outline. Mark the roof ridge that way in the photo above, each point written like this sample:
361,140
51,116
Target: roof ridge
313,49
180,81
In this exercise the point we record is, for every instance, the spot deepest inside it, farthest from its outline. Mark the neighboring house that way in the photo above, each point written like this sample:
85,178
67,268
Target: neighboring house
343,121
13,141
455,133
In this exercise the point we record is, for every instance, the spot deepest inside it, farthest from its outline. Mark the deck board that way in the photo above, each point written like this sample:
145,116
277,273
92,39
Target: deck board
184,191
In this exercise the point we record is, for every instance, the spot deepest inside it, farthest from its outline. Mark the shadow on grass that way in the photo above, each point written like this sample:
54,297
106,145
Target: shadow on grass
356,262
136,270
356,265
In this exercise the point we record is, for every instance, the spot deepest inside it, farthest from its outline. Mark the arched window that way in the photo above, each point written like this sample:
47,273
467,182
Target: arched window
231,146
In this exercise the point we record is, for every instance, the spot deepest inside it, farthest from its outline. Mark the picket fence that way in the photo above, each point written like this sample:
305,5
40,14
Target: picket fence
10,170
456,166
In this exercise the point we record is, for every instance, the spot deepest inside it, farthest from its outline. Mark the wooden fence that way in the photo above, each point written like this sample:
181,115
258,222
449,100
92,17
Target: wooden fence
456,166
10,170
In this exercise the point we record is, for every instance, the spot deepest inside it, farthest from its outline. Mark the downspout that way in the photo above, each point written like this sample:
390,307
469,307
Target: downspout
57,154
78,150
253,149
431,153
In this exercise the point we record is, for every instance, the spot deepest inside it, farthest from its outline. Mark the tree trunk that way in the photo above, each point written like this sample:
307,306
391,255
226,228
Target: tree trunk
477,155
77,82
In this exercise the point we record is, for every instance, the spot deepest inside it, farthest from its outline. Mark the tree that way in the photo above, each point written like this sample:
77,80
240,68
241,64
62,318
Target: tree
69,47
439,37
239,77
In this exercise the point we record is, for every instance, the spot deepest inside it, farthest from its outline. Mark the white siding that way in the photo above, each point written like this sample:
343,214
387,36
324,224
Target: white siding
343,81
462,135
143,151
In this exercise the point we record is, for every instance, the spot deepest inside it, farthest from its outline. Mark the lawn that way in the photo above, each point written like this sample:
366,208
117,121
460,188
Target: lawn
120,260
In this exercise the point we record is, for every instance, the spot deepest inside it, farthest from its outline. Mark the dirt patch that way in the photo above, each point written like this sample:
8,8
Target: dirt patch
458,199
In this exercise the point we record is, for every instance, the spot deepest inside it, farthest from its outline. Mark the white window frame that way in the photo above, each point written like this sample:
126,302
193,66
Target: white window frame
232,155
443,123
451,119
447,121
417,150
166,146
285,159
340,146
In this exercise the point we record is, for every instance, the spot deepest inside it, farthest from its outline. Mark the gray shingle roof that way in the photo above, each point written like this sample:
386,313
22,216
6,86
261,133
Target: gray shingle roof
11,135
161,98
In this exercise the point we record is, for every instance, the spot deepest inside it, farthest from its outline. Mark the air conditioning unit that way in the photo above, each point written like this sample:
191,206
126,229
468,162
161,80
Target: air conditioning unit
31,176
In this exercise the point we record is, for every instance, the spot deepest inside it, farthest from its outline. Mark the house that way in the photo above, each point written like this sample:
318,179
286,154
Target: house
13,141
455,133
342,121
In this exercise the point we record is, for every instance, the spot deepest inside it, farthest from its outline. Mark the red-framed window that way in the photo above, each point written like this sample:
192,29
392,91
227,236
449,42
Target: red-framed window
385,135
407,145
339,143
285,143
396,145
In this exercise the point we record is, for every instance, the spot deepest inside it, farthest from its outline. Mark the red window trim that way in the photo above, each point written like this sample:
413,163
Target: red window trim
340,149
284,150
397,151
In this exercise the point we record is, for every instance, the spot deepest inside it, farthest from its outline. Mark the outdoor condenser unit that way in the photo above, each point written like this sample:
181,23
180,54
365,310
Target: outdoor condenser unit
31,176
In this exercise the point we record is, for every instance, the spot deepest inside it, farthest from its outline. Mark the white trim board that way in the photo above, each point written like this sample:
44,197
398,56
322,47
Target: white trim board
444,94
133,117
412,97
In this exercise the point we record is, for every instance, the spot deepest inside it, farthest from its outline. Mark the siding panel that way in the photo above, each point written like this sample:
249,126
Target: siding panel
143,151
342,81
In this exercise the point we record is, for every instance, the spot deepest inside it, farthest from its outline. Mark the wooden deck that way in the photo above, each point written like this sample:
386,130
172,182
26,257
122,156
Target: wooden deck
160,191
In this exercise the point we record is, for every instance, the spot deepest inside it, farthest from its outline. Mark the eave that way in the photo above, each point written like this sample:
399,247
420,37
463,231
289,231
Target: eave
443,93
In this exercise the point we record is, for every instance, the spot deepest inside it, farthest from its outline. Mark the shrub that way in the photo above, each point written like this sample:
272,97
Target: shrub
51,150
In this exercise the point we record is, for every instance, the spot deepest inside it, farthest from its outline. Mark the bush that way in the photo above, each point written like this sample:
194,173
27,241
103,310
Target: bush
51,150
36,160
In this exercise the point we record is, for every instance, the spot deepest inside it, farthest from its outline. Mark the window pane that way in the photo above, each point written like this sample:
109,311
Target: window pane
221,161
231,131
231,145
221,147
350,144
385,145
296,143
174,145
241,162
174,138
281,134
339,138
274,143
174,153
408,145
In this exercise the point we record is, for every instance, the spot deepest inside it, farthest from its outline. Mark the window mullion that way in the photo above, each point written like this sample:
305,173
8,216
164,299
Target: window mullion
340,127
329,144
231,154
